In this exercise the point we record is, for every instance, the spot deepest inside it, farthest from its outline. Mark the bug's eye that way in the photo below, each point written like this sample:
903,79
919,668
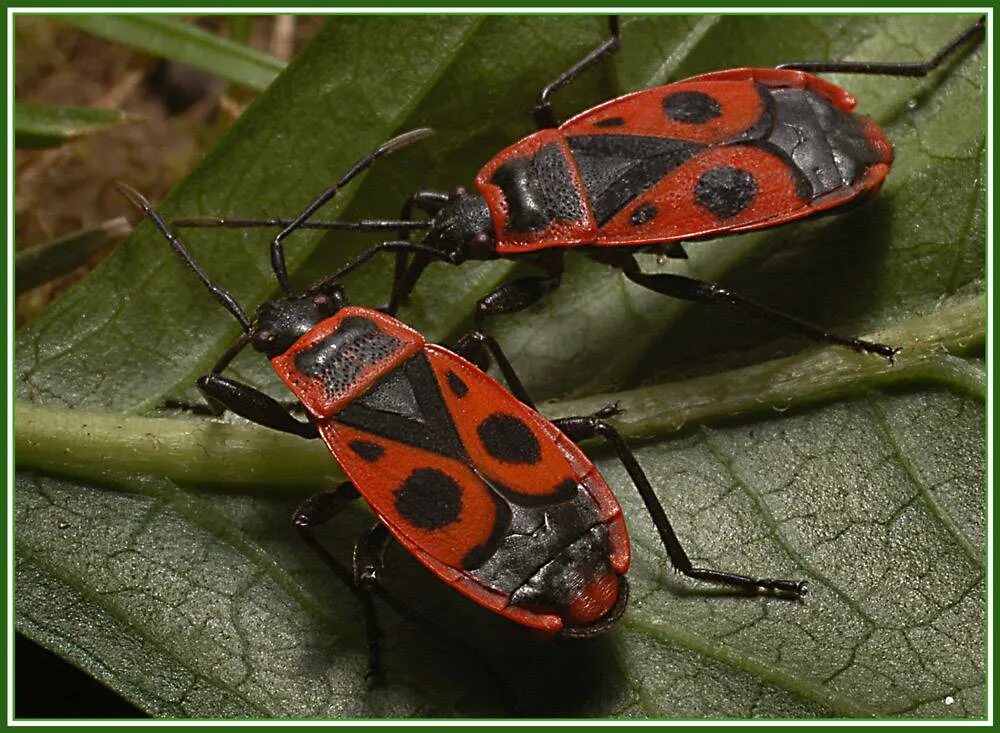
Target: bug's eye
458,193
323,302
262,340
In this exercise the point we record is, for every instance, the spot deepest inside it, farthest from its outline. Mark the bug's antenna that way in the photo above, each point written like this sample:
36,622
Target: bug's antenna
278,254
365,225
228,301
400,245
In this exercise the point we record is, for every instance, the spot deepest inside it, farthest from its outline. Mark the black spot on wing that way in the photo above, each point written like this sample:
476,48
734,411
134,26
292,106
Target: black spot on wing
693,108
610,122
429,499
456,385
509,440
371,452
643,214
725,191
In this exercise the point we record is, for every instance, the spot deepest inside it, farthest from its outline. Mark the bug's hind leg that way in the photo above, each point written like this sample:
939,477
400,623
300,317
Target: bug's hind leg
594,426
687,288
544,116
478,347
369,553
700,291
893,68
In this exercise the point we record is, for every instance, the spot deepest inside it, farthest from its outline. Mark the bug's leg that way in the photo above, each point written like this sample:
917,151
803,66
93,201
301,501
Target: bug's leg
407,271
514,296
319,509
365,225
368,556
592,426
522,293
544,116
277,251
893,68
508,298
431,202
477,348
404,279
223,394
686,288
369,553
253,405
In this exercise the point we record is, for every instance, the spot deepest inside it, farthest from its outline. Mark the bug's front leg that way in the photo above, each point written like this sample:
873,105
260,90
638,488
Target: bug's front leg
253,405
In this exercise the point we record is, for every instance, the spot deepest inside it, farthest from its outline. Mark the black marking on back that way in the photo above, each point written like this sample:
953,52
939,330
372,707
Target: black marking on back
762,127
407,406
339,358
538,190
393,393
508,439
501,526
610,122
803,187
568,505
559,581
539,535
617,169
370,452
456,385
643,214
693,108
561,492
725,191
429,499
826,145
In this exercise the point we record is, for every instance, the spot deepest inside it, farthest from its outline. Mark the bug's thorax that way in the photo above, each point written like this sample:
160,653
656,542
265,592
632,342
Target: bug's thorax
339,358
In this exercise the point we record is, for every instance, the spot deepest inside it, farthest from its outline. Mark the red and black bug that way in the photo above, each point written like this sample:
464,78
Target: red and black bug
725,152
493,498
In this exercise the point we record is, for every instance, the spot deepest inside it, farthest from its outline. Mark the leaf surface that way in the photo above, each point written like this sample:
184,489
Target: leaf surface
190,594
46,126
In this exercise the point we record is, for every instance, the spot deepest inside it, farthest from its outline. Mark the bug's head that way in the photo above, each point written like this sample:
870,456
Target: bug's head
279,323
463,228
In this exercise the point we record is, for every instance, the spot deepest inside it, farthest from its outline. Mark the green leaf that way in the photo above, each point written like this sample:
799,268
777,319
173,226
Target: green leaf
160,35
45,126
160,571
56,258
